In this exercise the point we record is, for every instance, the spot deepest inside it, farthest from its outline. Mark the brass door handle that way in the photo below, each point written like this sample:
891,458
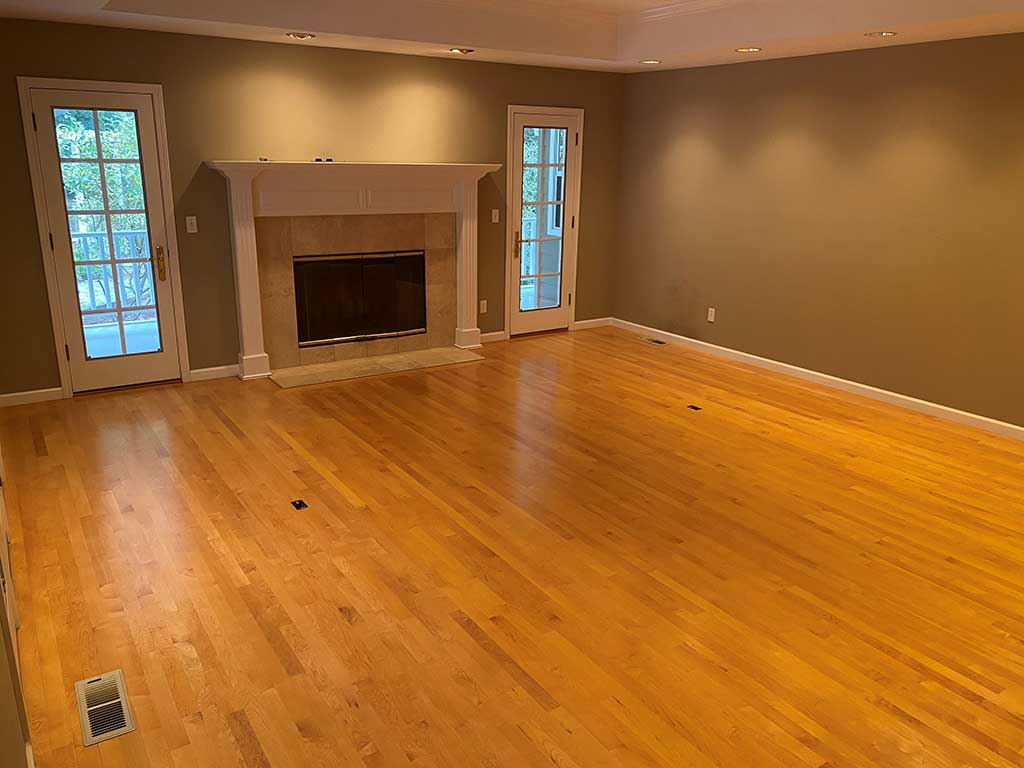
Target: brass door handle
518,246
161,264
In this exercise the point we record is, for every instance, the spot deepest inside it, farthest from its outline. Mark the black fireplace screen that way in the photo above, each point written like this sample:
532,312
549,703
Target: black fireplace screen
354,297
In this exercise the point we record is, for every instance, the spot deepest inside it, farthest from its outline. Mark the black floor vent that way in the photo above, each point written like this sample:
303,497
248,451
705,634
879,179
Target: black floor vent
656,342
103,708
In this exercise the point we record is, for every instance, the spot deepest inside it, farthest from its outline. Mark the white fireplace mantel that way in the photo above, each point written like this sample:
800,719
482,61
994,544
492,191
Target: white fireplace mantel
275,188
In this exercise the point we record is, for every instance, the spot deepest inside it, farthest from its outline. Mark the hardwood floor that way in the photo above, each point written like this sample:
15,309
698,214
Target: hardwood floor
545,558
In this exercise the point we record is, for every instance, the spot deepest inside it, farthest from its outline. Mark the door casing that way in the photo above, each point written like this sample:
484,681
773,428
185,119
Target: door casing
572,208
155,93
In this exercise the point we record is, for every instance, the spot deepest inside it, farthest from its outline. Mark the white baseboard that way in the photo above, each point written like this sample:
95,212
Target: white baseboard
582,325
31,396
865,390
217,372
579,325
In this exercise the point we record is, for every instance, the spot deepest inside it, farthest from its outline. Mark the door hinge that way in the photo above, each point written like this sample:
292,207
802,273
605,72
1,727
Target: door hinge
67,353
51,241
573,222
35,127
577,139
570,299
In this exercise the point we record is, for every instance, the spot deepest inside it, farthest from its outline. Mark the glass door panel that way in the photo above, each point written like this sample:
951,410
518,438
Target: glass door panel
542,217
101,174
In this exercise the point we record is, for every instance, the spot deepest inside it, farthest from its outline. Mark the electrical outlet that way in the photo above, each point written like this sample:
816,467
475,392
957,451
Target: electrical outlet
191,225
483,306
495,216
711,314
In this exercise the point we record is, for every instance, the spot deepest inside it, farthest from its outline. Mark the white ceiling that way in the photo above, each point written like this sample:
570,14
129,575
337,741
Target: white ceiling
588,34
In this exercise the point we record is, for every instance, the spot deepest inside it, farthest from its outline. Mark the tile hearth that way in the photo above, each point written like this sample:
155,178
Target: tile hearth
361,367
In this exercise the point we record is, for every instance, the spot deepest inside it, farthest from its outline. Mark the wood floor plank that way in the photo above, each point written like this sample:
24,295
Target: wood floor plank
544,558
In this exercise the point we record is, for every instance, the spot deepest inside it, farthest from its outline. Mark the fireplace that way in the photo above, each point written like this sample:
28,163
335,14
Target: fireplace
358,297
293,209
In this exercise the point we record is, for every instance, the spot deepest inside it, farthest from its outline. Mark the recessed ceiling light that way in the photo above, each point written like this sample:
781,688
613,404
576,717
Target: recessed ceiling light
301,35
749,49
461,51
650,61
880,34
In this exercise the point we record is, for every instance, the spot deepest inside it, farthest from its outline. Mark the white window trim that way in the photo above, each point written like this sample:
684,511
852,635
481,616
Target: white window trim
25,85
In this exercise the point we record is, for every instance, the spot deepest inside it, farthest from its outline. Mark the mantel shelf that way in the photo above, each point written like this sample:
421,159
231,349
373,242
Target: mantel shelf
329,163
415,171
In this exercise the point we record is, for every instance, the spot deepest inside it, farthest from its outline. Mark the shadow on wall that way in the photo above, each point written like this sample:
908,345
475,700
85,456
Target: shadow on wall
206,266
491,250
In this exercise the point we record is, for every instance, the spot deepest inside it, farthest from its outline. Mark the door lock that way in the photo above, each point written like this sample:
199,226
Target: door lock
161,264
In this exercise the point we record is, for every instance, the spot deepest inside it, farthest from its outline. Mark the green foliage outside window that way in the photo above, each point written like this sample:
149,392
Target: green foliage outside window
118,140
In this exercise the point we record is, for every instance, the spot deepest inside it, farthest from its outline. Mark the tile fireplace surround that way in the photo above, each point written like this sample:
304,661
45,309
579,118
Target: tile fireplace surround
279,239
337,207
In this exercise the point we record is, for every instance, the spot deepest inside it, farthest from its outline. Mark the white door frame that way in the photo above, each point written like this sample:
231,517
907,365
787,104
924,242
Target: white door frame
155,92
568,270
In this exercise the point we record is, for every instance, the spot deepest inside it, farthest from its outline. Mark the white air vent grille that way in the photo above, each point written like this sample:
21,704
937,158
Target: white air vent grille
103,707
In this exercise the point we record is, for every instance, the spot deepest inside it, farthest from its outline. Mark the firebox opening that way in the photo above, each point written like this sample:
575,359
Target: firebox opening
360,296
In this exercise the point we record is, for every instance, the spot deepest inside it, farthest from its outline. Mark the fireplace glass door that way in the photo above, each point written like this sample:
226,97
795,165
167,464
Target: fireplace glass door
354,297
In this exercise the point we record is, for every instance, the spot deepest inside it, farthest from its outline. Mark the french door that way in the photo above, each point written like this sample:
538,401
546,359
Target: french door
104,206
546,151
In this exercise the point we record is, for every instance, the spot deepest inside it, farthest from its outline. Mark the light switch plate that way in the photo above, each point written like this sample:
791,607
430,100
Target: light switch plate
483,306
495,216
712,312
191,225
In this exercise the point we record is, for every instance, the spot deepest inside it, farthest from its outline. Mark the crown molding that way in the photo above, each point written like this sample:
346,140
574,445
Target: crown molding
556,33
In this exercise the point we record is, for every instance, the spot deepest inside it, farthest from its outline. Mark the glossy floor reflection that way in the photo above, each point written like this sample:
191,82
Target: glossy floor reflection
544,558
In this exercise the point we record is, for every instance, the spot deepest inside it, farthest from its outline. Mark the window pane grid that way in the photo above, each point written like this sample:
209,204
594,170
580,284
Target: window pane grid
110,245
102,211
106,206
110,311
541,217
107,160
97,262
532,292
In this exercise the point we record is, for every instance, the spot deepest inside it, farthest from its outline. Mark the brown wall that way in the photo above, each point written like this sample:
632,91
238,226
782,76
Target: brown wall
860,214
230,99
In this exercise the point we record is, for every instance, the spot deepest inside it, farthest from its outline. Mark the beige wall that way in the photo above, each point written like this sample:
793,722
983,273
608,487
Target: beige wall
230,99
860,214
